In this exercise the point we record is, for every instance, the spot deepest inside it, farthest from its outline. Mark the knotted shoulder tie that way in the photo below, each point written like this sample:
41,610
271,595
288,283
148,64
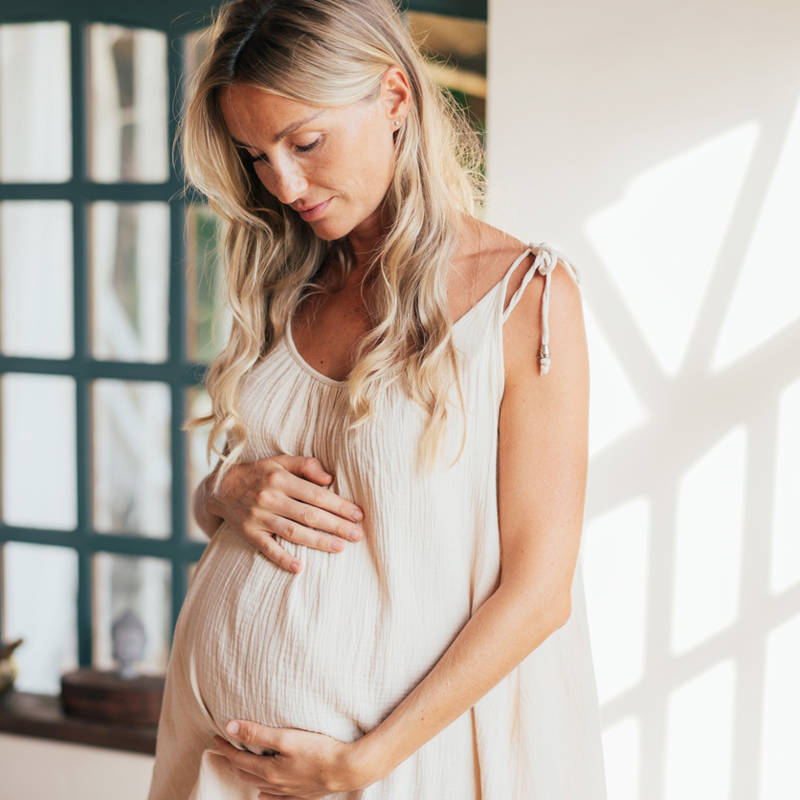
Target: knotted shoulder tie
546,258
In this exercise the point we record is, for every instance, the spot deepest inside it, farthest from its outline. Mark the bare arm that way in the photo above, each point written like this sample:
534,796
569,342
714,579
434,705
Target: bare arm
541,503
208,521
202,504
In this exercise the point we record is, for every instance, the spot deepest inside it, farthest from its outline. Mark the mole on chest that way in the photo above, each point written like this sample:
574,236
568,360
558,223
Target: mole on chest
326,337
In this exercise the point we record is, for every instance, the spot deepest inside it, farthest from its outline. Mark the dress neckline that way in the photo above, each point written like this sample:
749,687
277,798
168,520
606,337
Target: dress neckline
326,379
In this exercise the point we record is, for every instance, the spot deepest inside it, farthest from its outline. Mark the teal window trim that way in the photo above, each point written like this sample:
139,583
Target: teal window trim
468,9
176,372
179,16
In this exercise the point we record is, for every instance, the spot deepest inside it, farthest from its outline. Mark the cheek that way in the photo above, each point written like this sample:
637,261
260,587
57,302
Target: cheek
372,165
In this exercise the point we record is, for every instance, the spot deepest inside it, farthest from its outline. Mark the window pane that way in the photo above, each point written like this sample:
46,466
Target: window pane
140,586
131,469
36,264
455,51
47,623
35,103
198,404
38,450
127,104
129,263
208,317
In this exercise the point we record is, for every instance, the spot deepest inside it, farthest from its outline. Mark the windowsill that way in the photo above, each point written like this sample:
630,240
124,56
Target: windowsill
41,715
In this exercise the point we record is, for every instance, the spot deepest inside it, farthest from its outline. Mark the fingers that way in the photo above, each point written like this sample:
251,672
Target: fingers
312,526
243,760
265,542
308,466
294,508
319,496
262,535
311,468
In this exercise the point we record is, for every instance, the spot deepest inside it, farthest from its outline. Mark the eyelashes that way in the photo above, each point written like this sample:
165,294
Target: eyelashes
250,160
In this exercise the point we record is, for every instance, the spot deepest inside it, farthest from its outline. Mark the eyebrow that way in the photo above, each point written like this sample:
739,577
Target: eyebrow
286,131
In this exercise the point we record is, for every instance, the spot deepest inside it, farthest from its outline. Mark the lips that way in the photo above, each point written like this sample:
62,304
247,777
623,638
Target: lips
312,212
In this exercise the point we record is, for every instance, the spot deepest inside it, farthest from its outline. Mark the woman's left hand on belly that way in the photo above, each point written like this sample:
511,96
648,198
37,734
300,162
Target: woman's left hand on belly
306,764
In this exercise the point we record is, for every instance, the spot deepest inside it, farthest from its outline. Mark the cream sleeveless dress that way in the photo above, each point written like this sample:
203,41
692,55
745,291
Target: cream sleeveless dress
336,647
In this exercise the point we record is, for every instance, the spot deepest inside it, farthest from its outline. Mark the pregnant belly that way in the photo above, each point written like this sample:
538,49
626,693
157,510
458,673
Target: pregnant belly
315,650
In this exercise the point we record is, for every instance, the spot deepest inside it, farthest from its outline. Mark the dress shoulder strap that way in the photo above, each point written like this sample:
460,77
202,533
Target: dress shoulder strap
545,261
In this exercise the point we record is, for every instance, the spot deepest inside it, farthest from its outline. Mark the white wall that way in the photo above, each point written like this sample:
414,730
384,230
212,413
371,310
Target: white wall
40,769
657,145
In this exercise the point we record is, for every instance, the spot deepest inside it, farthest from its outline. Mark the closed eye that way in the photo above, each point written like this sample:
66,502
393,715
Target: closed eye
263,158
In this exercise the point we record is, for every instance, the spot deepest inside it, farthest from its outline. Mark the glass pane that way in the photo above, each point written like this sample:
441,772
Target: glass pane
35,103
455,49
198,403
38,450
47,623
131,469
127,136
131,609
129,263
207,316
36,275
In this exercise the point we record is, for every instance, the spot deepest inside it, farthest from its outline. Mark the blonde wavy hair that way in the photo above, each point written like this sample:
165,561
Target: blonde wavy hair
332,53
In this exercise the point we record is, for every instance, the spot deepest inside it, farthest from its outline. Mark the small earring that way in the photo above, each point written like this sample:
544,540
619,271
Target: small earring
397,122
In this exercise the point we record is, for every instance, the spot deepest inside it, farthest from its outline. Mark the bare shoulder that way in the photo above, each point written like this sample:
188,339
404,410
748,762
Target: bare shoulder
493,253
488,253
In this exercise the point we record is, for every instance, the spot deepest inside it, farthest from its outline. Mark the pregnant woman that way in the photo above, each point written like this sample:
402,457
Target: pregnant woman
389,355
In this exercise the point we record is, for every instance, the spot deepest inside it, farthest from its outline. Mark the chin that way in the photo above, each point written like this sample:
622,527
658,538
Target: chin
324,234
327,230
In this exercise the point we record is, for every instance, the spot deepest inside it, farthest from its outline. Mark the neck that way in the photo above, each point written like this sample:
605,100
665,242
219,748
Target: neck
366,237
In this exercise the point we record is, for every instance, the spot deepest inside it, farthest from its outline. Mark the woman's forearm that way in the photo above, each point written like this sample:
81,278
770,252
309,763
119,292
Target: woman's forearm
498,636
208,521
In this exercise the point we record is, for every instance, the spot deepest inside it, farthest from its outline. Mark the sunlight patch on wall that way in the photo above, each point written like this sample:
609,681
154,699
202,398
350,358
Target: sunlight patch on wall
663,238
613,413
709,542
699,736
622,753
780,768
785,547
617,598
765,298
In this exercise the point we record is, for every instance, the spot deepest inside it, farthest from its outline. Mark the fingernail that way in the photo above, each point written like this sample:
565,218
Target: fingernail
233,727
356,515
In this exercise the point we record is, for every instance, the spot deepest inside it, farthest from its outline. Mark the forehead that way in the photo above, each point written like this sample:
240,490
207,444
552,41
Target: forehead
252,114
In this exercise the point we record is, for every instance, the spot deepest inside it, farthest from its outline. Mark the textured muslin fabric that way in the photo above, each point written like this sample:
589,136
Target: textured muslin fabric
334,648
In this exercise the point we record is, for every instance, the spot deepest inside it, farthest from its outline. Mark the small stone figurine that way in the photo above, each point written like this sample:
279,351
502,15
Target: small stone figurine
128,640
9,669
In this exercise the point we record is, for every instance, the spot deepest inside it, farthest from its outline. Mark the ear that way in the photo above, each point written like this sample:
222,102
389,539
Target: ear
395,94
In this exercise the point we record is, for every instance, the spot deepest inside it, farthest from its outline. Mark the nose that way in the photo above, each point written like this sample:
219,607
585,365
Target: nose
287,183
